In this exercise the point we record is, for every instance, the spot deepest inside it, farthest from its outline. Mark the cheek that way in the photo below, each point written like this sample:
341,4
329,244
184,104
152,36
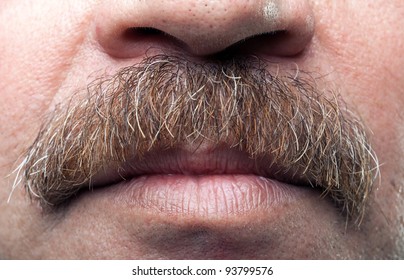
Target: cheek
34,62
366,49
38,43
366,54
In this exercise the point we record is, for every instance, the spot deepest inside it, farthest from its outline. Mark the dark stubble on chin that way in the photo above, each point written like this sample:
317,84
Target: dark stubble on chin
167,101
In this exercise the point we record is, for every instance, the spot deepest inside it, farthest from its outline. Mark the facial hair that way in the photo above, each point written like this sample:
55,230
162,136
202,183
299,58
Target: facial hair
167,101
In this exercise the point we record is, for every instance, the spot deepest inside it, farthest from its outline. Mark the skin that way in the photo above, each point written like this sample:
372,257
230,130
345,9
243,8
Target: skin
49,49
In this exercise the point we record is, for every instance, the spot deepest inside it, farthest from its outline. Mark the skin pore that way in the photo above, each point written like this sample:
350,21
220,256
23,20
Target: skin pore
52,50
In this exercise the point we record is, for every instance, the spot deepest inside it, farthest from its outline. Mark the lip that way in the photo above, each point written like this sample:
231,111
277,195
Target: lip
205,196
202,183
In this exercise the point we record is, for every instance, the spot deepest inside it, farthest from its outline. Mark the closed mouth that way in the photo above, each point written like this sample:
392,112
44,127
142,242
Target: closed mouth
187,131
202,182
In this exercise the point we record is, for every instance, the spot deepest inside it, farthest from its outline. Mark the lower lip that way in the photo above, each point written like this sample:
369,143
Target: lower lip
204,196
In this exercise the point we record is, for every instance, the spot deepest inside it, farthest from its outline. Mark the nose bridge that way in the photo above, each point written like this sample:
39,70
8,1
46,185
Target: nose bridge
208,26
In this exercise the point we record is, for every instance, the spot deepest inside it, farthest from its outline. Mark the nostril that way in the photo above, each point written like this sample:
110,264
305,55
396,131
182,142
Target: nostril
151,37
270,43
279,42
252,45
134,33
136,41
260,40
263,43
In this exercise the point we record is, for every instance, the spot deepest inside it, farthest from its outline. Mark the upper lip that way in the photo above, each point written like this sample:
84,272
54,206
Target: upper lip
201,160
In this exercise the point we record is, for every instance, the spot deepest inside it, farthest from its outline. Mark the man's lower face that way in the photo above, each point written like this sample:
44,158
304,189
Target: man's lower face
171,158
201,129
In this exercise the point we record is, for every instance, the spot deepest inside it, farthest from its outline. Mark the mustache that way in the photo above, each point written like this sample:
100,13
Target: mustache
167,101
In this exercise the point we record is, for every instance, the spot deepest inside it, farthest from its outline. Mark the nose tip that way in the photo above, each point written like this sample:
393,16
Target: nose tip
205,27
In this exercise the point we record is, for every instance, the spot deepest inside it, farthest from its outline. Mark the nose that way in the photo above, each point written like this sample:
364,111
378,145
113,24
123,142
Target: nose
276,27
